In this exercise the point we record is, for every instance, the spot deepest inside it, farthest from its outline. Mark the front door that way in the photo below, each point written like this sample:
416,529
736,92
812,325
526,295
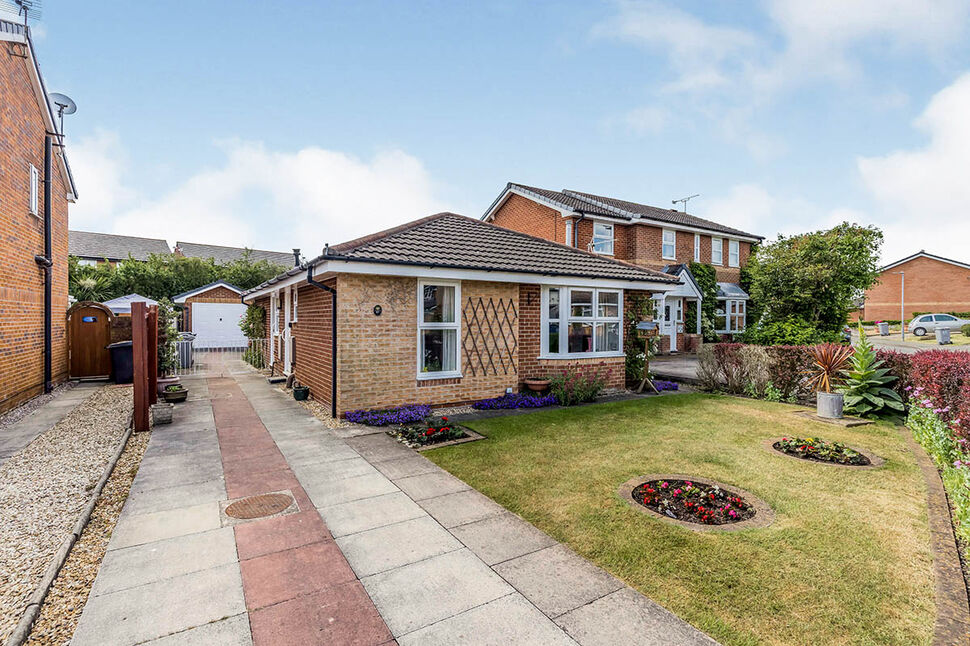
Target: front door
673,314
90,330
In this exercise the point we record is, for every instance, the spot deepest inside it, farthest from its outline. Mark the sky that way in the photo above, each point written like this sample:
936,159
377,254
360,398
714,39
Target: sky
293,124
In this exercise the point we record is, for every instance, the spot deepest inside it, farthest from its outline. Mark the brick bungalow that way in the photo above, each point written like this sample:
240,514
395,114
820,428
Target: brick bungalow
447,309
35,188
663,239
933,284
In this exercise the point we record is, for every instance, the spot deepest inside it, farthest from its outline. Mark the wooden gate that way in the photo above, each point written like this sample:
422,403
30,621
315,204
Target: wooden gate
89,329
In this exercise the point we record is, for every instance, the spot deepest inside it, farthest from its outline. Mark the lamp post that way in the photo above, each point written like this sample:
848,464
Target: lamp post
902,303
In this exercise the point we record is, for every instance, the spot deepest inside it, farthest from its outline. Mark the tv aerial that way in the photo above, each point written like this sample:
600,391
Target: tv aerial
65,105
685,200
26,8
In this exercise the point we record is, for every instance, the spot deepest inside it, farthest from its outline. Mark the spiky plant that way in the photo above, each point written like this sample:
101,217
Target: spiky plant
865,385
828,362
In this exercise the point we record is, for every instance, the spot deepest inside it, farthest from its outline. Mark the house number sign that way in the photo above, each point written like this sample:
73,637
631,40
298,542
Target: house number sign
377,310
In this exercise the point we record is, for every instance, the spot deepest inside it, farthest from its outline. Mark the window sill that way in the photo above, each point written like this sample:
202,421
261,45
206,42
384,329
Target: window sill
431,376
582,355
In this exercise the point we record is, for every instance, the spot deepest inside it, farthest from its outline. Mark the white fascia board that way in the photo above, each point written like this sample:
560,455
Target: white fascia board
204,289
416,271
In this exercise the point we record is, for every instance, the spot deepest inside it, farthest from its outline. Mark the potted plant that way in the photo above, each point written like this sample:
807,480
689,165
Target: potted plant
300,392
162,413
175,393
536,384
167,346
829,360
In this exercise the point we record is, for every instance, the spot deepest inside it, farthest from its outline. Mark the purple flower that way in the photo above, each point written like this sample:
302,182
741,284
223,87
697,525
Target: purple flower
400,415
514,400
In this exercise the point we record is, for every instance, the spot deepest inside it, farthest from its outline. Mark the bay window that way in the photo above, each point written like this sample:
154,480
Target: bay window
669,246
717,251
734,253
729,316
603,238
591,319
438,323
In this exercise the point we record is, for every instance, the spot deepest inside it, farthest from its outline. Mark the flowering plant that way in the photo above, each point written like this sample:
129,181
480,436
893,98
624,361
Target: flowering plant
693,502
430,431
813,448
575,387
665,385
515,400
400,415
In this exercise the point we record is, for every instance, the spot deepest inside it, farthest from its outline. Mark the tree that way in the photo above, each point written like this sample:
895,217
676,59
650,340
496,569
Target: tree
810,279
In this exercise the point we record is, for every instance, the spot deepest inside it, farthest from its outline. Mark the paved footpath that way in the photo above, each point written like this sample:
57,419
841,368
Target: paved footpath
385,547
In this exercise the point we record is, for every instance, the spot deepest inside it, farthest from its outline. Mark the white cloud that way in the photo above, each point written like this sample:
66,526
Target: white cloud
646,120
752,208
258,198
923,194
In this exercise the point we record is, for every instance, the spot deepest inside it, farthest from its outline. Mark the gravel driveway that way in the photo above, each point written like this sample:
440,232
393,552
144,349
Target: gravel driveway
44,487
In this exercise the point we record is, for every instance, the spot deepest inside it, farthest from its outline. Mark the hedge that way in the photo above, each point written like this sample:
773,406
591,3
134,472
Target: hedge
944,377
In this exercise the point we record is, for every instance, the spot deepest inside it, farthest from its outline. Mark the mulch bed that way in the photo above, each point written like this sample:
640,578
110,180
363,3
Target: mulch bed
821,452
693,502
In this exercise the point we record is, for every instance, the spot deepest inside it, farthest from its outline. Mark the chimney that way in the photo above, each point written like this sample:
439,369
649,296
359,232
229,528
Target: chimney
296,257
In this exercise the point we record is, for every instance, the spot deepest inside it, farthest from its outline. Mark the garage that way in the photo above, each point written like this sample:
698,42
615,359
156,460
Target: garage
212,312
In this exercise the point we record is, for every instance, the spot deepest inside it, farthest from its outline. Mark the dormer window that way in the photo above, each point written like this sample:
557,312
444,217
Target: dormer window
603,238
669,246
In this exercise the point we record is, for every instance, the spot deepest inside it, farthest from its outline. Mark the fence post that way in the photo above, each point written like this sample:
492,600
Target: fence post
139,346
152,352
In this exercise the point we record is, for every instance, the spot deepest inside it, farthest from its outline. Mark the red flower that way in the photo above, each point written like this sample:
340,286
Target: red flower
429,431
444,419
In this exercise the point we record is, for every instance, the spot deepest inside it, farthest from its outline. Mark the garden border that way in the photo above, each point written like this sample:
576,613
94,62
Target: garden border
472,437
764,515
875,462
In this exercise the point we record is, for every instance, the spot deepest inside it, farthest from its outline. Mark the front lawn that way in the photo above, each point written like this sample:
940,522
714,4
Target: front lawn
847,559
930,339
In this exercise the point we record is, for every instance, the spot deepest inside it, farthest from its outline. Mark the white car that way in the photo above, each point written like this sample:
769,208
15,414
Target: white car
929,322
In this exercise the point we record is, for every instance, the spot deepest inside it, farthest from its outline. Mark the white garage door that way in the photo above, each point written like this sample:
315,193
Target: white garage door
216,325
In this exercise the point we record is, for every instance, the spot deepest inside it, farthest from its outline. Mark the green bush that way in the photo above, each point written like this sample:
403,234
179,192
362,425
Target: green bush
167,338
571,387
866,389
789,331
965,330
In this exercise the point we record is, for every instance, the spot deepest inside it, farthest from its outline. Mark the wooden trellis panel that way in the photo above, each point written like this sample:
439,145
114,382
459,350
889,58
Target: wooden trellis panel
489,344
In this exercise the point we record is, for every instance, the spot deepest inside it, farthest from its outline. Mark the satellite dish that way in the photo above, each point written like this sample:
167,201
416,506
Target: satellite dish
65,105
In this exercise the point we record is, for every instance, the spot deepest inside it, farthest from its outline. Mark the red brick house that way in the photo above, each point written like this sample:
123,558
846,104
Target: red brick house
661,239
35,188
212,312
933,284
447,309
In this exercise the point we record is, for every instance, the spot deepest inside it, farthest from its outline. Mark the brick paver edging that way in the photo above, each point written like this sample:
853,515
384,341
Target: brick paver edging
952,624
763,516
874,460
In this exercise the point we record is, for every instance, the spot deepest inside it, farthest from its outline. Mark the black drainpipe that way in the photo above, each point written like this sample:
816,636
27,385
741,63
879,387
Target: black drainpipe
46,263
333,338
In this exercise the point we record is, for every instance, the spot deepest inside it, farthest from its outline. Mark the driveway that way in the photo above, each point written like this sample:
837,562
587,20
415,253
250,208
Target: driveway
894,342
376,546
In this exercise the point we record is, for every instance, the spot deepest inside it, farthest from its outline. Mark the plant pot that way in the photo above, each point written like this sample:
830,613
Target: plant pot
830,405
166,381
300,393
536,385
162,413
175,396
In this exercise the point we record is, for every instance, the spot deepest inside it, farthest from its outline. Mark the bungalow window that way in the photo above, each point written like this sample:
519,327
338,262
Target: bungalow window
591,318
734,253
697,247
603,238
730,316
34,189
438,322
669,246
717,251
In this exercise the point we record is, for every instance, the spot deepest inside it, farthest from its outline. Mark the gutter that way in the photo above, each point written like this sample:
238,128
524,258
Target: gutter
333,337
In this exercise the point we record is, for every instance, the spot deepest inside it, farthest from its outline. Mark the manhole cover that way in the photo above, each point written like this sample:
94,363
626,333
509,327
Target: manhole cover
259,506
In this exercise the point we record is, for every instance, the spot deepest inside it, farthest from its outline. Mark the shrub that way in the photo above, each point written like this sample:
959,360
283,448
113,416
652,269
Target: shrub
754,365
898,365
515,400
867,392
168,358
828,361
943,376
789,331
787,369
401,415
965,330
571,387
731,368
708,372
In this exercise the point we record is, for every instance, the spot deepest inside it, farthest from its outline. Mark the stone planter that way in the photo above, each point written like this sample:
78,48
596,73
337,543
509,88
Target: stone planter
175,396
536,385
162,413
830,405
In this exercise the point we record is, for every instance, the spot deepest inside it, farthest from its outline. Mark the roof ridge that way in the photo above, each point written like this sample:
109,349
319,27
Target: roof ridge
222,246
113,235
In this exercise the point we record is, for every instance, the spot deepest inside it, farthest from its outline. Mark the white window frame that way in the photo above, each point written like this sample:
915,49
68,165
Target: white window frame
601,239
569,233
421,325
274,313
296,303
87,262
734,253
742,310
697,247
565,318
672,244
34,190
717,243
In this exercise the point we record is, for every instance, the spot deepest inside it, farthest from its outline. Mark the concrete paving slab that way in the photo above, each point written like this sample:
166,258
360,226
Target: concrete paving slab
141,564
429,485
323,473
379,447
501,538
280,576
406,467
185,468
423,593
370,513
146,528
176,446
161,608
325,494
462,507
323,453
146,501
268,535
627,617
232,631
356,431
557,580
392,546
508,620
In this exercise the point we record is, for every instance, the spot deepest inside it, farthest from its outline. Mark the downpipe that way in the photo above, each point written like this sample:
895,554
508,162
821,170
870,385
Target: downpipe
46,263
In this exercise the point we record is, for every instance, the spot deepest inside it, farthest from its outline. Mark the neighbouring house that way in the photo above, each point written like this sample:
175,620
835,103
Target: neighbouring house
212,312
92,248
447,309
35,188
121,306
663,239
932,284
222,255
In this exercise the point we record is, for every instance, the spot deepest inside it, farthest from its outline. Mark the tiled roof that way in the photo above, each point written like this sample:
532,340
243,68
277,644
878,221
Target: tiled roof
450,240
624,210
98,246
228,254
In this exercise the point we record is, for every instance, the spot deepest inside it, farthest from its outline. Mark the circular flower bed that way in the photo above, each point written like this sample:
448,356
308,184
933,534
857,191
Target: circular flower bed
696,503
818,450
433,430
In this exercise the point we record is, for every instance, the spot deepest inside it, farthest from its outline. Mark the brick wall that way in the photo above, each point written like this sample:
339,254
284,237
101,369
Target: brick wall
21,237
377,355
218,294
931,286
524,215
313,340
